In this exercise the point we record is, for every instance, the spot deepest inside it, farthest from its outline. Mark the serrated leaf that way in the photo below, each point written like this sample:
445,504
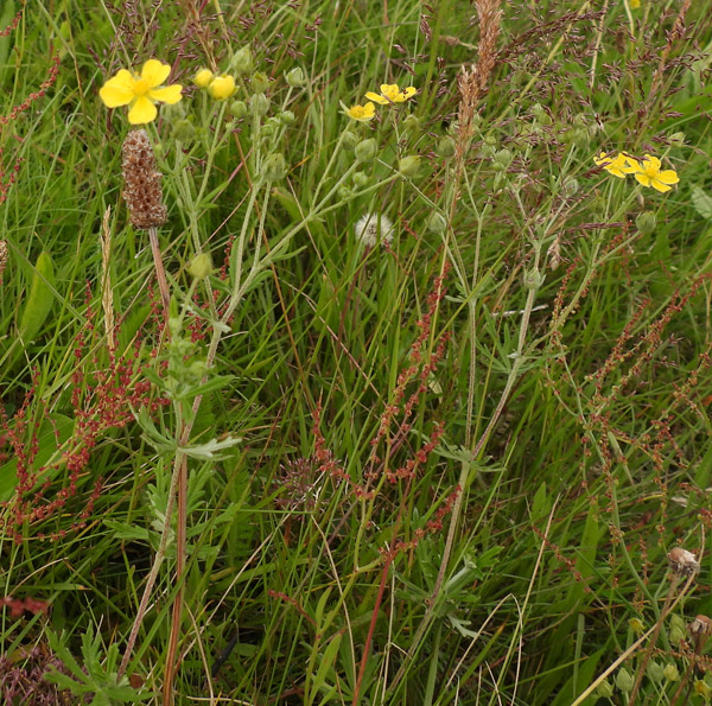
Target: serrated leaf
702,202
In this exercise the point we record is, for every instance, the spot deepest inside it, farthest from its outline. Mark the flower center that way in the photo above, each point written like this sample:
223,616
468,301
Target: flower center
141,87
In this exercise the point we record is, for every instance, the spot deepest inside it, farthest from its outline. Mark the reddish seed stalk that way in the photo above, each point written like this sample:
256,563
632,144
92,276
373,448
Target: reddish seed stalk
372,627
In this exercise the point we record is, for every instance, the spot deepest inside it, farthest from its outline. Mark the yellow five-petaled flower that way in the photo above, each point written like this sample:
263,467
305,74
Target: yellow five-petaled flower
618,166
650,174
390,93
362,113
141,92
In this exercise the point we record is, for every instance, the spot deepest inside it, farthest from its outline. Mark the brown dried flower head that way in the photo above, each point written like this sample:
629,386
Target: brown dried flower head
701,625
142,181
682,562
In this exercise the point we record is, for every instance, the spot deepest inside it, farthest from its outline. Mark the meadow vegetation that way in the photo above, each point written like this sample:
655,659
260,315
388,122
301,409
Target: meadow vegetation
355,353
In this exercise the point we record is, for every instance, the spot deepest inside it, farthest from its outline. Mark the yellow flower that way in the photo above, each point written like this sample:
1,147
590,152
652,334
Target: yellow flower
650,174
222,87
390,93
203,78
141,92
618,166
634,4
362,113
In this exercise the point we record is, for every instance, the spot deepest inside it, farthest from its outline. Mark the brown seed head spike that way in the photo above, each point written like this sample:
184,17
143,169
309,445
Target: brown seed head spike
142,181
3,257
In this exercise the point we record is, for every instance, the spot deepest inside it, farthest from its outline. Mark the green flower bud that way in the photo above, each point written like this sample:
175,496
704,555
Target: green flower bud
365,150
671,672
436,223
533,279
490,140
203,78
238,109
345,192
275,167
646,222
539,112
260,82
580,120
446,147
604,690
360,179
183,130
259,104
678,629
200,266
655,671
677,139
409,166
287,117
636,625
502,158
268,129
579,136
487,151
624,680
295,77
411,123
197,369
571,186
242,61
350,139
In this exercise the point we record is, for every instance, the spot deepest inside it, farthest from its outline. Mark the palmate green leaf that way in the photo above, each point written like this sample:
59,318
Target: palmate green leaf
210,450
702,202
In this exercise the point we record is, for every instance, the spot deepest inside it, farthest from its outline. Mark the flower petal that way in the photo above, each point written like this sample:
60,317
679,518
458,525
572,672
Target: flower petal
643,178
409,92
651,161
142,111
168,94
377,98
659,186
154,72
118,90
628,164
668,176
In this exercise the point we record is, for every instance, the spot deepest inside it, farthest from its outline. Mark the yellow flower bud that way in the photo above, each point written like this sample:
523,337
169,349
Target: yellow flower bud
203,78
222,87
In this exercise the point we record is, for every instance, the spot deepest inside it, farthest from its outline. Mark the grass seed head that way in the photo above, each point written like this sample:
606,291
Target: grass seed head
3,257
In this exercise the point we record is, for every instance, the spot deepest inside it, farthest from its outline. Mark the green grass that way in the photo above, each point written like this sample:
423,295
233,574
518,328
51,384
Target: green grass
568,401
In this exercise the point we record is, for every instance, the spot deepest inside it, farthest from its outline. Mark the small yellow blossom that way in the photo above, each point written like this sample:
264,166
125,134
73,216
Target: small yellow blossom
141,92
203,78
634,4
650,174
390,93
618,166
362,113
222,87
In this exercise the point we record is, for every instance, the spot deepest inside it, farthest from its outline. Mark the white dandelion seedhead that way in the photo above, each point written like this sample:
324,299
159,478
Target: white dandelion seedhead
374,228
